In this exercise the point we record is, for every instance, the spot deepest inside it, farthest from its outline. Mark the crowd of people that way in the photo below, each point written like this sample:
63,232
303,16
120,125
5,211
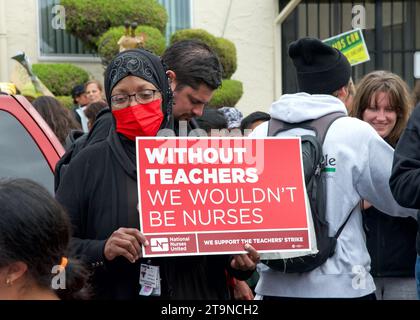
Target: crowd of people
91,228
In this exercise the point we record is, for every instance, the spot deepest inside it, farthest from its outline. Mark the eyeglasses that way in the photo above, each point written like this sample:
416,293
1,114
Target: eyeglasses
142,97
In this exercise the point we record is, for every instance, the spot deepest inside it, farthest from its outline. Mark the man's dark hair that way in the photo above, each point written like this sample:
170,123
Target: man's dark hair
194,63
211,119
254,117
91,111
58,118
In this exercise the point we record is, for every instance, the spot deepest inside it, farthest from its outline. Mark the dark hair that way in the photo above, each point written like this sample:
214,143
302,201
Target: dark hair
91,111
59,119
194,63
399,98
211,119
35,230
254,117
77,91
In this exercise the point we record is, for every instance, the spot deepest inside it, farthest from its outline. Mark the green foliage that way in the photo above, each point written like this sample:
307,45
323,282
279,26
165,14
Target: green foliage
66,101
224,48
108,47
198,34
227,95
231,90
226,51
60,78
88,19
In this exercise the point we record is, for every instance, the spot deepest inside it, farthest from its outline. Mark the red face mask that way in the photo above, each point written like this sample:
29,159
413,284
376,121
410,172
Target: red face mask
141,120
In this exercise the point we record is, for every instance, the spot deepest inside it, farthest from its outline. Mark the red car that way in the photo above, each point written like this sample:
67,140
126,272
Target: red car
28,147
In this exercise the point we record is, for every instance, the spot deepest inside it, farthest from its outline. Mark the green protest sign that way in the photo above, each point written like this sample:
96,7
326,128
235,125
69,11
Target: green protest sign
352,45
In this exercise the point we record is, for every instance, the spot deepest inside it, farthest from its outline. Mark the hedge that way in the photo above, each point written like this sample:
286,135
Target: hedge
224,48
60,78
227,95
108,47
89,19
198,34
66,101
226,51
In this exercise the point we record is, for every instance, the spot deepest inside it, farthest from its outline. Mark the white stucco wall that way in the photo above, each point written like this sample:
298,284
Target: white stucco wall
21,24
250,26
21,31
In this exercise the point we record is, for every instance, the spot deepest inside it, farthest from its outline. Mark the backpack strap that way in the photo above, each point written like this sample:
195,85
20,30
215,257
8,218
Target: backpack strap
320,126
343,225
276,126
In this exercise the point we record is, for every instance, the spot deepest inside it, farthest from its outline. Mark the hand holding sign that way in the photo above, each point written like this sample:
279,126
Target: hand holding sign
125,242
246,262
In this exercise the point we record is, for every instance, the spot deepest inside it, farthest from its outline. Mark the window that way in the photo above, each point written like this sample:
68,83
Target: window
179,15
20,156
56,42
391,34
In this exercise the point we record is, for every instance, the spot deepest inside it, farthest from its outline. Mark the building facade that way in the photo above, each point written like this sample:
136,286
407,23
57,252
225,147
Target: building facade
26,25
261,31
390,29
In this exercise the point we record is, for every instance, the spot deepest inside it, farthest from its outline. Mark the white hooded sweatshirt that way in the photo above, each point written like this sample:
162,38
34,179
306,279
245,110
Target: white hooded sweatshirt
359,163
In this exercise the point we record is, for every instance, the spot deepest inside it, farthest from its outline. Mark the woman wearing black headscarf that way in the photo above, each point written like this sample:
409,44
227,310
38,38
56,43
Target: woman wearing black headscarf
99,191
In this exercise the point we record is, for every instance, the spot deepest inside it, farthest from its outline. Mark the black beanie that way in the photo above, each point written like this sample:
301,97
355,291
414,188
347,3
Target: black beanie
321,69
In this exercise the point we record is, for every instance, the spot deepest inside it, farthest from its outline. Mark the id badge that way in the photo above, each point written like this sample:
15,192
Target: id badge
148,275
156,291
149,280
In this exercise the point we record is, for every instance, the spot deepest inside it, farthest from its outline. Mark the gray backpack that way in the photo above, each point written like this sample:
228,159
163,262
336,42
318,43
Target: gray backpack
313,166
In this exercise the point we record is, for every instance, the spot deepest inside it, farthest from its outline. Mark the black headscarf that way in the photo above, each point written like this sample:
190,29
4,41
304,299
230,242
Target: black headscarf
142,64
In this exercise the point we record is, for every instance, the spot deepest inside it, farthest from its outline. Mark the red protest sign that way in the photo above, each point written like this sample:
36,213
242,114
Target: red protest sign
213,195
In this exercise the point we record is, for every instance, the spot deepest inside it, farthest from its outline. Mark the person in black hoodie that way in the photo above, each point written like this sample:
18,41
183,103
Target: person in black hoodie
99,191
382,99
405,177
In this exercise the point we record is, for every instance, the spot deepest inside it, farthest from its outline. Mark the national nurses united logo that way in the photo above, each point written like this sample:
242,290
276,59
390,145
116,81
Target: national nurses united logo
159,244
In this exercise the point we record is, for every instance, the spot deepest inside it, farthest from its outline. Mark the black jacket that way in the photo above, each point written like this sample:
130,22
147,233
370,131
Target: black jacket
77,140
405,177
391,242
99,191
